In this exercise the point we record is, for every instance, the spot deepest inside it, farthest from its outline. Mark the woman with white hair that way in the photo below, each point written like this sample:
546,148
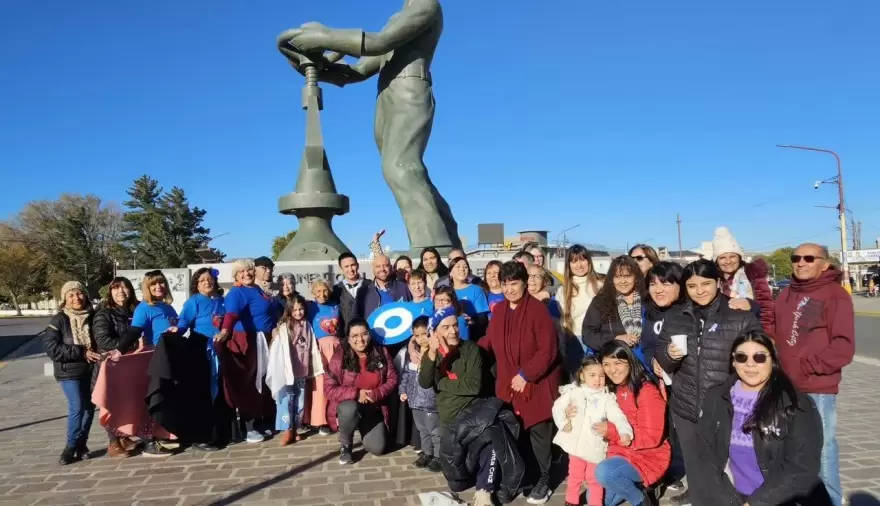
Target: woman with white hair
68,342
242,347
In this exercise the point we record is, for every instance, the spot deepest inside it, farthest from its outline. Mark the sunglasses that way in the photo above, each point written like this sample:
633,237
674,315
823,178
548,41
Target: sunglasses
795,259
639,258
741,358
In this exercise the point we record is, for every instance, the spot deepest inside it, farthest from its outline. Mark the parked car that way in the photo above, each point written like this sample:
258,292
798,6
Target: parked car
777,286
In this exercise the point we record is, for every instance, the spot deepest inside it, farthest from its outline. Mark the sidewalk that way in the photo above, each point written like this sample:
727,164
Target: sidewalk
32,421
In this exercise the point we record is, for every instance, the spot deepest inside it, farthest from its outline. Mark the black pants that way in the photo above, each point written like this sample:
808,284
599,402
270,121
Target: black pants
536,448
689,444
367,420
489,472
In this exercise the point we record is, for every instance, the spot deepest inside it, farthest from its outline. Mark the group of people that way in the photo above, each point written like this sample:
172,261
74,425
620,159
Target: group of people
642,376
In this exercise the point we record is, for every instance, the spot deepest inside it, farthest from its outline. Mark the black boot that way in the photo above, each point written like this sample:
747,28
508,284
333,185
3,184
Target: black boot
68,456
82,451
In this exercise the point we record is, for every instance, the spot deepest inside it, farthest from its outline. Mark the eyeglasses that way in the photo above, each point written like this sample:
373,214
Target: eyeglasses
795,259
741,358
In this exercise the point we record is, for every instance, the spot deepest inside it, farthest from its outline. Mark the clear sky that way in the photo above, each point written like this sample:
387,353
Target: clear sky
610,115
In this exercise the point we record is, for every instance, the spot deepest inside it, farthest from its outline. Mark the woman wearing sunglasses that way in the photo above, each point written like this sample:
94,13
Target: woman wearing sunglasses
760,427
694,348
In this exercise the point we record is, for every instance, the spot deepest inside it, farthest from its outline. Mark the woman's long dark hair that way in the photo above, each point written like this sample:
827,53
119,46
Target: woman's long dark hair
637,375
607,296
777,402
350,361
442,270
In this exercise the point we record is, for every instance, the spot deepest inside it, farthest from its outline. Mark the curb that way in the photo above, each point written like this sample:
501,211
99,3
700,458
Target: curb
867,313
16,353
866,360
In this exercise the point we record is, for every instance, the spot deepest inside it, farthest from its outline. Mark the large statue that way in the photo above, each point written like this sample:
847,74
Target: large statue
401,53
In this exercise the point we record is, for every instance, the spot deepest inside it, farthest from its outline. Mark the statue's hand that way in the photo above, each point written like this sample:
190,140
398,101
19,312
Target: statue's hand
310,38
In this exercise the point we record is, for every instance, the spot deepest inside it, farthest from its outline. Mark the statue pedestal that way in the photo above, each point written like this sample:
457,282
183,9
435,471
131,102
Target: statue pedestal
314,201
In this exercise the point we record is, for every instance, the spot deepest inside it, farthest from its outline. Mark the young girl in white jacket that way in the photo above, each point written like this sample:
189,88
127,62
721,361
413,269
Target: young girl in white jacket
576,435
294,361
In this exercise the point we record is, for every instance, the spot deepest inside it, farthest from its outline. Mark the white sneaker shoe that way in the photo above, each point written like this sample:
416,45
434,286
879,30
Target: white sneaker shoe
255,437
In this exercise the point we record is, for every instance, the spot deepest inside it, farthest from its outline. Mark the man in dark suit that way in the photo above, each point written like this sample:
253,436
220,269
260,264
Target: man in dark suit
346,291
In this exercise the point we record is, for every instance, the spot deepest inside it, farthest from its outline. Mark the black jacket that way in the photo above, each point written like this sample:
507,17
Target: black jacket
109,325
598,330
710,334
485,422
68,359
179,393
790,465
346,303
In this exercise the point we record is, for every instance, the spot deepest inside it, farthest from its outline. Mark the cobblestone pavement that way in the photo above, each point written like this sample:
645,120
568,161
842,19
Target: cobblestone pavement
32,411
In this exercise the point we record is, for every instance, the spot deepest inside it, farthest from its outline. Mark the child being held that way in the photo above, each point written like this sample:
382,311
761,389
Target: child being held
294,360
585,447
421,400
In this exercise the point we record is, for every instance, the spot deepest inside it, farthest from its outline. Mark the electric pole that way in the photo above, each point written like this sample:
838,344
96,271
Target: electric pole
678,222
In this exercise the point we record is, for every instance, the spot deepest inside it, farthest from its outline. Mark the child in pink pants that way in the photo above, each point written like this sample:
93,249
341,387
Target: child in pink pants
577,436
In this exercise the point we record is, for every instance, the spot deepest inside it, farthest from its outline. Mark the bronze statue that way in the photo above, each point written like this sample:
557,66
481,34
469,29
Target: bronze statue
401,53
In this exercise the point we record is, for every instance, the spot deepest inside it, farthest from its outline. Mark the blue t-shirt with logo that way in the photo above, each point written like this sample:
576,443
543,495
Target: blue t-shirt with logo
154,320
473,300
493,298
324,319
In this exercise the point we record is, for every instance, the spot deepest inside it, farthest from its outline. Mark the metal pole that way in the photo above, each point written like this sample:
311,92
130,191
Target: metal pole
678,222
841,209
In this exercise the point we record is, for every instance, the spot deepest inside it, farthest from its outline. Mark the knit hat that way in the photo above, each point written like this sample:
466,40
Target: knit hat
69,287
440,315
264,262
724,242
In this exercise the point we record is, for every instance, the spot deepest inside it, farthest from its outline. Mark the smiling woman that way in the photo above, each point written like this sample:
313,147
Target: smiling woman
708,324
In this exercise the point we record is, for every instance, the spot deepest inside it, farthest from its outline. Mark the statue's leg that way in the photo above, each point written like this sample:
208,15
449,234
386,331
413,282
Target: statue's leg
405,116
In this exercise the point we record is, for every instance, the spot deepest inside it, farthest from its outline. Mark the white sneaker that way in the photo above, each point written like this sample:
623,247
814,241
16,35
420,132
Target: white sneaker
255,437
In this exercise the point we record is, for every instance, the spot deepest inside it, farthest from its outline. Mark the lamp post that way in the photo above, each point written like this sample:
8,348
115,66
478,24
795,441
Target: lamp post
841,209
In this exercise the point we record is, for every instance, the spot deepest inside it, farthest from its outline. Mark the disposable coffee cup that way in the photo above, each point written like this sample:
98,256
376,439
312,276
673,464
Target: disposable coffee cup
681,342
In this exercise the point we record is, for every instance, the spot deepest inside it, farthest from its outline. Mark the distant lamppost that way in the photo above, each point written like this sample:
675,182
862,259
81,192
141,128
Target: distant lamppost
841,206
134,259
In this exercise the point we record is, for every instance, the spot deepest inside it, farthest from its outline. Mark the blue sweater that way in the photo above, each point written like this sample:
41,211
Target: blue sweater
255,311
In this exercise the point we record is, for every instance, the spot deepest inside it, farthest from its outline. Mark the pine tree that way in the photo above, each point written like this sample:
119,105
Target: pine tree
162,227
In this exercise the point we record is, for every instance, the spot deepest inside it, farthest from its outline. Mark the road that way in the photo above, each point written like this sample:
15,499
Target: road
16,331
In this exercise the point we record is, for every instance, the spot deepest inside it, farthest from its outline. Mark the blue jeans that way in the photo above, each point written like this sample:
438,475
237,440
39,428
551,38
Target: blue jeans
291,405
80,410
827,406
621,482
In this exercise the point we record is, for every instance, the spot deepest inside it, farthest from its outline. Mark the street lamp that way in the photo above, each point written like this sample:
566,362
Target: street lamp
134,259
841,209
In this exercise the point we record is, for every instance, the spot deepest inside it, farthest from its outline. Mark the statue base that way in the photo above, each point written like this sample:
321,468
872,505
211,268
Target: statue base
314,240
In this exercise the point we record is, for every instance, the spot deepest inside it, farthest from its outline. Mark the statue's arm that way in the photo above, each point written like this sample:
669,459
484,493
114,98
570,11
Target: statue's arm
404,26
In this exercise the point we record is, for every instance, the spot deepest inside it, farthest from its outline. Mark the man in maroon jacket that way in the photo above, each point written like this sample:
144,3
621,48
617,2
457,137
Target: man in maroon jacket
815,335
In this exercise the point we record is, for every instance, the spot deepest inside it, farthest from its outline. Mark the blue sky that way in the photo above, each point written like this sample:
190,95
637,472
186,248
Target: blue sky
611,115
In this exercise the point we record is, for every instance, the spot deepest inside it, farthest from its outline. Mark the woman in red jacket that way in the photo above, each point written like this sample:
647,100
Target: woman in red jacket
523,339
629,471
357,384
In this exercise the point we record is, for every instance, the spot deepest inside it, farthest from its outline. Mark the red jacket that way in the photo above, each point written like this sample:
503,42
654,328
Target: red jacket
649,452
339,386
815,332
756,273
526,345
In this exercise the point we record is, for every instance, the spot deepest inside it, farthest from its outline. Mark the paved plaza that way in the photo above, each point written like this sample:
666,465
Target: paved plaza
32,418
